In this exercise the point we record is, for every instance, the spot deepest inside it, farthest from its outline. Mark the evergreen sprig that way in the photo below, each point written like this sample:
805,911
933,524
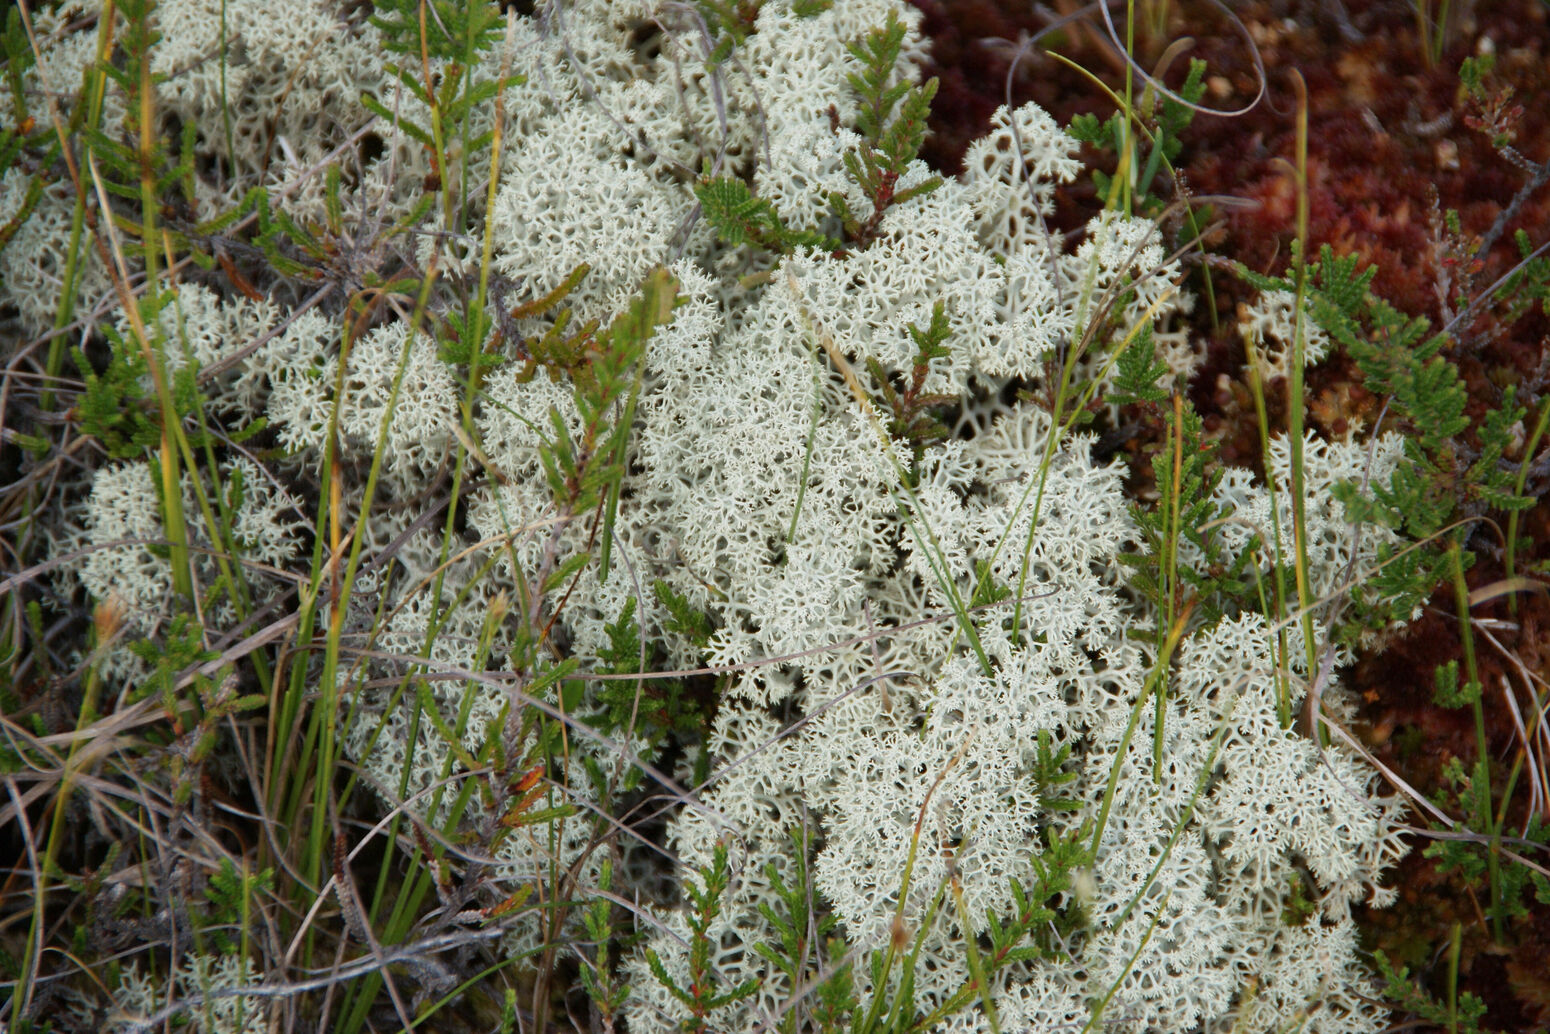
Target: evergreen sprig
890,140
582,473
729,23
606,991
453,33
651,709
133,161
1529,281
454,101
742,217
1446,691
229,895
557,352
20,138
911,415
10,147
700,996
892,122
1411,997
684,618
454,30
1138,373
1470,858
1491,107
1039,923
18,59
1050,773
117,407
808,952
131,73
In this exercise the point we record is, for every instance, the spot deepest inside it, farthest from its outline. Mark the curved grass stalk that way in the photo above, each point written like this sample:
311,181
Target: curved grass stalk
908,507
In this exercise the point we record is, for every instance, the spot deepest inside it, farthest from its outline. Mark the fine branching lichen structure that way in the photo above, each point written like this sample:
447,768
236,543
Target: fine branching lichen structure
685,499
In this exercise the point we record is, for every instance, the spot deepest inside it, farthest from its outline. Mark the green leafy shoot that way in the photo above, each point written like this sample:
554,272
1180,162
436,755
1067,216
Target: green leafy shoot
1164,126
1138,373
607,374
741,217
1443,471
892,122
1218,583
125,169
1446,689
1039,924
115,407
1050,774
454,33
650,708
453,106
1300,905
19,57
685,619
700,997
606,991
1491,108
729,23
986,589
16,53
229,895
808,954
555,351
910,412
1529,281
454,30
1409,996
1472,859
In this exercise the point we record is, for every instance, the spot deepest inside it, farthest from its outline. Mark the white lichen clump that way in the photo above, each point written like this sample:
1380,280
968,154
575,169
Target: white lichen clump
212,983
1270,329
761,490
